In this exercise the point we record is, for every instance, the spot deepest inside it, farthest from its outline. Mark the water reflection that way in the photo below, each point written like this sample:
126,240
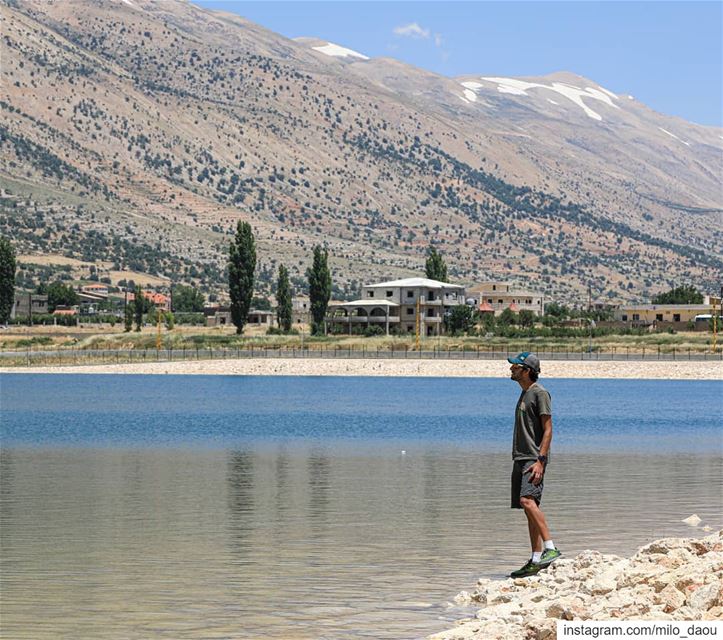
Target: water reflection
294,541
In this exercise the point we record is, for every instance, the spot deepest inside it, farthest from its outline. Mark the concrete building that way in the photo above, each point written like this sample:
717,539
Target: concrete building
27,304
499,296
647,314
221,316
398,306
300,310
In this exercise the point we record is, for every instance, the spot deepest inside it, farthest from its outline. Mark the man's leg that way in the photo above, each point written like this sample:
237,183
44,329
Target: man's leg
539,533
536,523
535,537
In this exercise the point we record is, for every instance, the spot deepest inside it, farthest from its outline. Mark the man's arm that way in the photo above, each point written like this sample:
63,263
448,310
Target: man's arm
537,470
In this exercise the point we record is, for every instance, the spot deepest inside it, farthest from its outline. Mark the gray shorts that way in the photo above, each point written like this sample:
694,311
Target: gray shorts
521,485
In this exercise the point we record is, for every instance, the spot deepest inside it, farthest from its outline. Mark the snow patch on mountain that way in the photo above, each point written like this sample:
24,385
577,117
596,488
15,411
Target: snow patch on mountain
575,94
331,49
672,135
470,95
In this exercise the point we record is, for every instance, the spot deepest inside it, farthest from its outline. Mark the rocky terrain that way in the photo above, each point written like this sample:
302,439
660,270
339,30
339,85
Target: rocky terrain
669,579
136,133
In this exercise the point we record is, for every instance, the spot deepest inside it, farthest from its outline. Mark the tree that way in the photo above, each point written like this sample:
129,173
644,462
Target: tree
526,318
60,294
283,299
435,266
128,318
507,317
556,310
187,299
7,279
686,294
460,319
138,306
170,320
241,268
261,303
319,288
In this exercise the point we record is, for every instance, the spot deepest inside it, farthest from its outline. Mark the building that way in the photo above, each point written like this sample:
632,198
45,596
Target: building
261,317
498,296
648,314
94,289
158,300
26,304
399,306
301,310
221,316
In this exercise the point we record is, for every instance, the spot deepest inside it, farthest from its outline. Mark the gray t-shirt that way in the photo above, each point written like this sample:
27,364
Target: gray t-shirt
533,403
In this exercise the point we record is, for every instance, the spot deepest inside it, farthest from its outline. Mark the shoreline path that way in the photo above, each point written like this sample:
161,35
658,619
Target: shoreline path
638,370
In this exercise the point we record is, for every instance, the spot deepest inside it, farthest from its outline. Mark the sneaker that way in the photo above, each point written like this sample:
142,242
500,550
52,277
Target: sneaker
549,556
530,569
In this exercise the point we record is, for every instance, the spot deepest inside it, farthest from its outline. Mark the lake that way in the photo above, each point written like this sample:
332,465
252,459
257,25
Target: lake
300,508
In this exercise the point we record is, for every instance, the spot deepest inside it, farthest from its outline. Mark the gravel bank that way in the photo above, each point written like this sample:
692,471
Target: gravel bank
654,370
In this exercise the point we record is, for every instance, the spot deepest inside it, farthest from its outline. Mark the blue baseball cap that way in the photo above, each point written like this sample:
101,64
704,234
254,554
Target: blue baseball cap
526,359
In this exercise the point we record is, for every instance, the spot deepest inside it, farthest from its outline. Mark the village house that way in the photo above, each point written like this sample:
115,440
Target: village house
401,306
221,316
495,297
653,314
26,304
301,310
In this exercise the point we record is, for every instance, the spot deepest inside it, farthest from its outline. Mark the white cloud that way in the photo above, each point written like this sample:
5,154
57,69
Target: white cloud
412,30
438,41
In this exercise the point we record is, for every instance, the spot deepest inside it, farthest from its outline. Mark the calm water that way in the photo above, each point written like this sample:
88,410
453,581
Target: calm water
238,507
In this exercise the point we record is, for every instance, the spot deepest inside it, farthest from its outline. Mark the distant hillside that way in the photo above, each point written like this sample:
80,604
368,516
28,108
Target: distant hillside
137,133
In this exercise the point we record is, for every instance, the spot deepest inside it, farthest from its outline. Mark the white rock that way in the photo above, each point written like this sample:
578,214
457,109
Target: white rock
705,597
693,520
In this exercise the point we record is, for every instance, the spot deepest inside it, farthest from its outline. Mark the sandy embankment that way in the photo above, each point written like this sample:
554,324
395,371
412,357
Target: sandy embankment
654,370
670,579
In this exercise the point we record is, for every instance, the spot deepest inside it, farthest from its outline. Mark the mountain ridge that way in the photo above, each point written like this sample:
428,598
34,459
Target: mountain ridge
176,121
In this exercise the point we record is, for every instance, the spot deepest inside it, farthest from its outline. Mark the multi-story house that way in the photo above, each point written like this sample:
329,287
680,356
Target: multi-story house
498,296
402,306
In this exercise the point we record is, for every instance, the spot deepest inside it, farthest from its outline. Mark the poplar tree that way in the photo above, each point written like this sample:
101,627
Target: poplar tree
7,279
283,299
435,266
138,307
319,288
128,317
241,268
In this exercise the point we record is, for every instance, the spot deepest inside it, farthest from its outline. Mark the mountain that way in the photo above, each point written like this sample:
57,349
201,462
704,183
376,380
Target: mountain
136,133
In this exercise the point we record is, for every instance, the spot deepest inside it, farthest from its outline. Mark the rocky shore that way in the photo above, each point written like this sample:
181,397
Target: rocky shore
669,579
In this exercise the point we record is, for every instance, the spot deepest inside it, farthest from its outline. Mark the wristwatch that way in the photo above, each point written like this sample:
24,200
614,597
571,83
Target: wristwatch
542,459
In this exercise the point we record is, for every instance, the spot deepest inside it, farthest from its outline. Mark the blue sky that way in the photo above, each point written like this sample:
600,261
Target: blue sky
668,55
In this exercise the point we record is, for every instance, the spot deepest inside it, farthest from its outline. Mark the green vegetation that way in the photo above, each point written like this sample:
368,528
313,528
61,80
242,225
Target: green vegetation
686,294
319,278
128,318
435,267
460,319
187,299
59,295
138,307
283,300
241,269
7,279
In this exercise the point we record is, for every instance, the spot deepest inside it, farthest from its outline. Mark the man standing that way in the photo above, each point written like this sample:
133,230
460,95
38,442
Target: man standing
530,453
